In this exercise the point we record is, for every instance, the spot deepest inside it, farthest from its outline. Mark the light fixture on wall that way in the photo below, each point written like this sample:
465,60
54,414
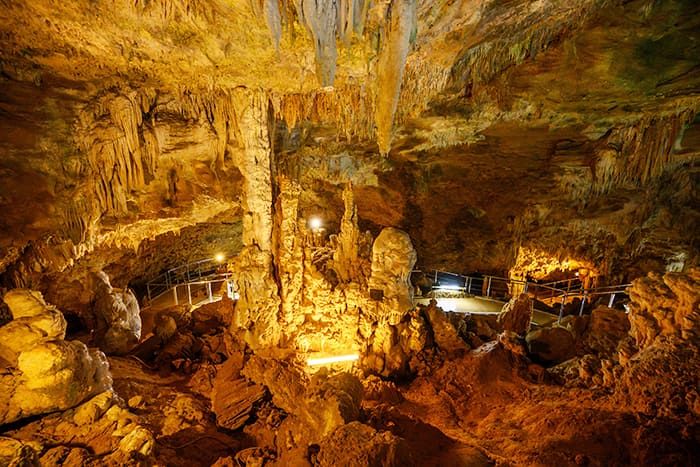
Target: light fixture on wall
220,257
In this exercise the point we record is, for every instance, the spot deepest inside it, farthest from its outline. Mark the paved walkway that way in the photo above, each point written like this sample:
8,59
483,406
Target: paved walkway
484,306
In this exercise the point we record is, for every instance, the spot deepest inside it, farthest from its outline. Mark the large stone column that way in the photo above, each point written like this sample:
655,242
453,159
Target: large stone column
257,310
289,248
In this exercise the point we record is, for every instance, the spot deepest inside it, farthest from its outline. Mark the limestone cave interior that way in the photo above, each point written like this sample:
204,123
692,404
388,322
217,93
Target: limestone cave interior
349,232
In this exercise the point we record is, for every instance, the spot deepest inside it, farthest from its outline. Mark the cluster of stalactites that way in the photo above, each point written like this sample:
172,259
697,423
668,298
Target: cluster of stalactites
330,20
122,148
325,20
535,33
640,152
176,10
346,107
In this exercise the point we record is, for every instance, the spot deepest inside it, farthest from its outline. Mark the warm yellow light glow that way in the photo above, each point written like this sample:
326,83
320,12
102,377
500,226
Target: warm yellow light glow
335,359
315,223
219,257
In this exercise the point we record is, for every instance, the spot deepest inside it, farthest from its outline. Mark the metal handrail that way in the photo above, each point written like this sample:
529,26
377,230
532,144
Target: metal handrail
564,294
203,269
208,283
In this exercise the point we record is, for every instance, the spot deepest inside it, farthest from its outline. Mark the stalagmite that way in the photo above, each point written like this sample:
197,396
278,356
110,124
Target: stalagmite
258,307
400,27
346,255
289,253
196,185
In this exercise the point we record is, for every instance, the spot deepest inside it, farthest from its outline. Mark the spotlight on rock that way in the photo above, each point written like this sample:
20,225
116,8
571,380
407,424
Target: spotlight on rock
334,359
220,257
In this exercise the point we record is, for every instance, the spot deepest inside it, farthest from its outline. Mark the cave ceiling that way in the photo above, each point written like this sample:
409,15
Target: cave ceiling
477,126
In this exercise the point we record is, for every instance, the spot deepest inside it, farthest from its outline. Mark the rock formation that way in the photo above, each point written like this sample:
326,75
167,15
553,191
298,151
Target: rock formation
516,315
46,373
553,345
314,153
118,317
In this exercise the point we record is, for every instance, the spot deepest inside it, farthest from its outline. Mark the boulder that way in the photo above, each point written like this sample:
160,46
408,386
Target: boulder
516,315
5,314
233,397
446,336
381,391
356,444
321,404
97,432
118,317
665,306
52,376
607,327
552,345
26,332
17,453
393,348
25,303
34,322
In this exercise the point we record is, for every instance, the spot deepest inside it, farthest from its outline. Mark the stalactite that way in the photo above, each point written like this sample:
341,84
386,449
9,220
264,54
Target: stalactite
352,15
400,27
274,21
321,19
121,152
78,219
639,152
498,51
347,107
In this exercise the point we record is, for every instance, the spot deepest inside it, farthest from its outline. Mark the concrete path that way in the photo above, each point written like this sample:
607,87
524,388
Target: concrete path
484,306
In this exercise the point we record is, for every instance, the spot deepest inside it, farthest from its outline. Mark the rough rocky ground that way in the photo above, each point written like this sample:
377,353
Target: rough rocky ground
490,405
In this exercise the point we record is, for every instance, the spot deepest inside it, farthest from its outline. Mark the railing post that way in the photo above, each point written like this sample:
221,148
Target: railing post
583,303
469,285
561,307
435,281
612,299
209,290
175,295
189,294
525,288
488,288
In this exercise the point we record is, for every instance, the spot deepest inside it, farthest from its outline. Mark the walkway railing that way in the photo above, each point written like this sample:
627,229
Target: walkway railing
503,289
190,280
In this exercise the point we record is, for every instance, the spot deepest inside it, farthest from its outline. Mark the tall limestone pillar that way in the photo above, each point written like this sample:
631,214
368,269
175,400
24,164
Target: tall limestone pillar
257,312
